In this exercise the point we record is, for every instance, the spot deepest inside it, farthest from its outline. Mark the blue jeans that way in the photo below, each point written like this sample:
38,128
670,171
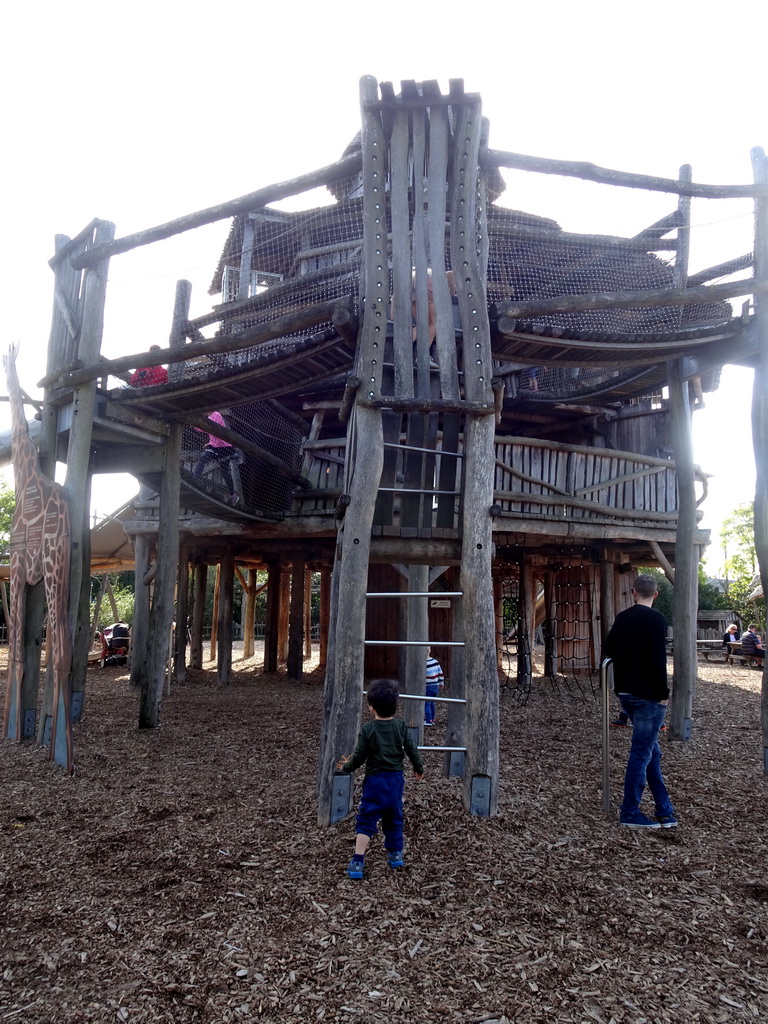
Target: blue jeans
382,800
429,705
644,763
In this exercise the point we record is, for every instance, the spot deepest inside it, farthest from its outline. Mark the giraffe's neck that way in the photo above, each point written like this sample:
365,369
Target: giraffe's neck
25,464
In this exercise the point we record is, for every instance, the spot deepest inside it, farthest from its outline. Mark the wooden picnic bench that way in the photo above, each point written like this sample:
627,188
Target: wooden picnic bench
746,659
712,650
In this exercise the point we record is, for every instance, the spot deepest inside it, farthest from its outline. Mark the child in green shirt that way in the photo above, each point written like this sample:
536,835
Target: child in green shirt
381,745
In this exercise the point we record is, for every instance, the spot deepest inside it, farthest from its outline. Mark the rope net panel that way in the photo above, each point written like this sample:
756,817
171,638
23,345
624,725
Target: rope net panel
238,477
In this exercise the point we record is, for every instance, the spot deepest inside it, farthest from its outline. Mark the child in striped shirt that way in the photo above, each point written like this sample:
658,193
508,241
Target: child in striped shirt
435,683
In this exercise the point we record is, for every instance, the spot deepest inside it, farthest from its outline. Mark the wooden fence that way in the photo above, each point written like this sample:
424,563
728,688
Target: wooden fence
539,480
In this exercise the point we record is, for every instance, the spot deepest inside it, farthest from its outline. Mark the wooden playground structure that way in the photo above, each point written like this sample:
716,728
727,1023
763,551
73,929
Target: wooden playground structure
443,406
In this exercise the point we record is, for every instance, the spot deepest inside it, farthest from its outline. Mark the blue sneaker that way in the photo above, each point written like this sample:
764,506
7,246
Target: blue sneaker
667,820
355,869
639,821
395,858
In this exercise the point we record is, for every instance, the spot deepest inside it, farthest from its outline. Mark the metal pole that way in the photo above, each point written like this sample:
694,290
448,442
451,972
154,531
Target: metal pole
604,673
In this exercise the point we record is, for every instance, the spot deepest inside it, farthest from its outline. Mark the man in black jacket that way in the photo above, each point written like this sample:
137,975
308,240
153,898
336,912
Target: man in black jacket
637,645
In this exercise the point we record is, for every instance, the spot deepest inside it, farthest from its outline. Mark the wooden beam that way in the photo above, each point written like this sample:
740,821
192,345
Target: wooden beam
663,561
591,172
344,168
511,311
281,326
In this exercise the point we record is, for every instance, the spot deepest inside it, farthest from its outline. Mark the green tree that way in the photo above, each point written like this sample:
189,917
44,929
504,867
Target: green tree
737,536
7,508
710,596
738,539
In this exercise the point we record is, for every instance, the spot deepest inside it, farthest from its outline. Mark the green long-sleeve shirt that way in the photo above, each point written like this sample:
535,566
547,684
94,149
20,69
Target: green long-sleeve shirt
382,745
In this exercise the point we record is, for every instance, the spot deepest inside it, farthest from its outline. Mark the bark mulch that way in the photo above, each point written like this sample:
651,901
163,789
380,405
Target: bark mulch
180,874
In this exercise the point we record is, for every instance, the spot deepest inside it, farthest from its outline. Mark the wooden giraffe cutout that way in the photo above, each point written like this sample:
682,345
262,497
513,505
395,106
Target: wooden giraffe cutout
40,550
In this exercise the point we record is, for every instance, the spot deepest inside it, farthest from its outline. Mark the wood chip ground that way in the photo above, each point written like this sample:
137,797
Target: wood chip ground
180,875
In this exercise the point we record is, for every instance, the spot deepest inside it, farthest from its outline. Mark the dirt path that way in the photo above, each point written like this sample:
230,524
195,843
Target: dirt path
180,875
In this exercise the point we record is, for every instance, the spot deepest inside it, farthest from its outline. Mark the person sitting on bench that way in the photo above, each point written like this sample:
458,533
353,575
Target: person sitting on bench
751,644
731,636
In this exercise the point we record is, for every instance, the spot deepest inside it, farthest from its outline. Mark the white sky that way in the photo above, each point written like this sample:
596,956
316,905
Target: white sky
140,113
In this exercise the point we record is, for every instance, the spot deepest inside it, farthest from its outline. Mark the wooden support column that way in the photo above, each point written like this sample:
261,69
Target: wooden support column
162,611
295,660
498,604
325,610
417,629
343,704
141,606
198,615
550,639
482,679
685,596
182,616
83,637
77,488
284,614
760,411
307,613
224,618
272,615
525,627
249,603
215,614
607,597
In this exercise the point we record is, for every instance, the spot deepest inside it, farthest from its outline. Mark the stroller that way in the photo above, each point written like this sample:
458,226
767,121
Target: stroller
115,643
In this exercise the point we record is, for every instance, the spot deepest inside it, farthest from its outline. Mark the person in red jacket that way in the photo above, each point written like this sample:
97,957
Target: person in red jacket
146,376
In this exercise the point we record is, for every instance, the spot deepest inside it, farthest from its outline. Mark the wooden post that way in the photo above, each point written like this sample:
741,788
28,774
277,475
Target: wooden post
272,615
685,593
760,411
198,615
295,660
525,626
224,618
111,595
352,555
249,603
481,774
76,482
162,612
215,614
141,606
607,596
325,601
498,604
182,614
307,613
284,604
550,651
82,638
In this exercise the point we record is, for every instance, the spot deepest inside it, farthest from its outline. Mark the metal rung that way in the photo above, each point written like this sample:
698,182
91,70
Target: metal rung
416,490
437,700
419,593
429,451
413,643
463,750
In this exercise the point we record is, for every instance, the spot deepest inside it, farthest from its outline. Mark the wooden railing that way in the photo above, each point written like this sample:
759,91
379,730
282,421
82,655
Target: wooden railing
539,480
546,479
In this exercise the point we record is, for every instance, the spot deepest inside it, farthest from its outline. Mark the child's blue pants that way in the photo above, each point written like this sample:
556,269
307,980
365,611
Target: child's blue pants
382,800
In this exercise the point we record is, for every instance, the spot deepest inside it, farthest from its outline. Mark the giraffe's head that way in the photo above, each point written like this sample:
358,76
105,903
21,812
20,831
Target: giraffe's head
9,360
